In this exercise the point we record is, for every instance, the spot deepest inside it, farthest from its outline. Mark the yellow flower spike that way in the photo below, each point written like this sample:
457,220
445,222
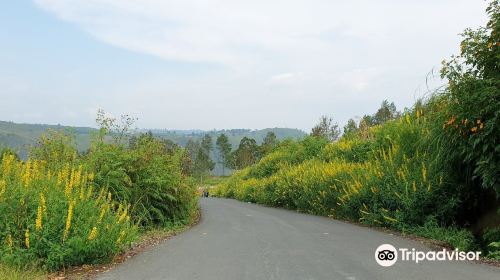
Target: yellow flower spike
424,172
92,234
27,174
27,238
82,192
120,238
91,177
103,211
123,215
38,221
90,190
43,203
407,117
414,186
9,241
392,220
3,187
68,219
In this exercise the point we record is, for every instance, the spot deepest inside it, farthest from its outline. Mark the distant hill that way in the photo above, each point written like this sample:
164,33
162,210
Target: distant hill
19,136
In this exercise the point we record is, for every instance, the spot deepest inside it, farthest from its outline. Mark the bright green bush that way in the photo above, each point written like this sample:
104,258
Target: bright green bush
148,177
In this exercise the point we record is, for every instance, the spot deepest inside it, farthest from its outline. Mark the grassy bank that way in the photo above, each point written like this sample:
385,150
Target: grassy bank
431,170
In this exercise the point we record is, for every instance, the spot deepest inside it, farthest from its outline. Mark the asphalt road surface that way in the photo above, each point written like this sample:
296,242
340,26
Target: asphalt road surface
237,241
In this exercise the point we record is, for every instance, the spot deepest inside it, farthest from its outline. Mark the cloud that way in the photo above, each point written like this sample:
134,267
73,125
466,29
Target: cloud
324,55
286,78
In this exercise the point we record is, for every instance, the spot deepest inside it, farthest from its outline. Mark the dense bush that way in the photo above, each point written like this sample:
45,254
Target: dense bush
63,208
389,180
55,217
148,176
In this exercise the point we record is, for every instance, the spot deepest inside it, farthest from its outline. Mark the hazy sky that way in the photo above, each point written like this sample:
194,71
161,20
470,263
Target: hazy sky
221,63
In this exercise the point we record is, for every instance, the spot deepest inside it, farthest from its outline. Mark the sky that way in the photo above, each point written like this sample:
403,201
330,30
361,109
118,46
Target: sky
219,64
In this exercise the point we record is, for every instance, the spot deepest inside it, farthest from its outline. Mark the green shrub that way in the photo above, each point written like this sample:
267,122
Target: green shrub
147,176
54,218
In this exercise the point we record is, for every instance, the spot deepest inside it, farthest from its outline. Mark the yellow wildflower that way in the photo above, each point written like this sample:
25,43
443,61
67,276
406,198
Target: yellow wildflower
122,216
389,219
93,234
120,238
3,187
43,203
103,211
27,238
424,172
27,173
68,219
9,241
38,222
474,129
90,177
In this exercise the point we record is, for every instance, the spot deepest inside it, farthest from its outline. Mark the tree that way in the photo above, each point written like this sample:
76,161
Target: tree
246,154
191,149
203,164
270,142
327,129
386,112
224,148
350,127
206,143
472,117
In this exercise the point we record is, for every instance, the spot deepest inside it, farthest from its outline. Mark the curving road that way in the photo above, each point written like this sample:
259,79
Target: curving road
237,241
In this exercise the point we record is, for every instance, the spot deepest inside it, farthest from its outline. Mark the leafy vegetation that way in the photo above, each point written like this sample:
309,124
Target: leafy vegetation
62,208
431,170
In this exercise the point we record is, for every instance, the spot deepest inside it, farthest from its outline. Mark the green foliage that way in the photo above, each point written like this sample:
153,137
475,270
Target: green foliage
54,218
56,147
246,154
458,238
326,128
471,121
148,176
224,148
61,208
351,127
16,273
269,144
386,112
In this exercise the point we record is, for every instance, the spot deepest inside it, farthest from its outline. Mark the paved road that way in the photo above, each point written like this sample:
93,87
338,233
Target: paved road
237,241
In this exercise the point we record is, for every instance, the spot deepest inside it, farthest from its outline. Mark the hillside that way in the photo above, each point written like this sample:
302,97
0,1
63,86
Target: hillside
19,136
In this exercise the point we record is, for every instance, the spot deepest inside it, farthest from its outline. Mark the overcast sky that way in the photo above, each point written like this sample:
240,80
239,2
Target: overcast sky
221,63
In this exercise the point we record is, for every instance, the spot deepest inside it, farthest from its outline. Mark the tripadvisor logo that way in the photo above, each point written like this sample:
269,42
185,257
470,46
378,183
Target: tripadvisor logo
387,255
